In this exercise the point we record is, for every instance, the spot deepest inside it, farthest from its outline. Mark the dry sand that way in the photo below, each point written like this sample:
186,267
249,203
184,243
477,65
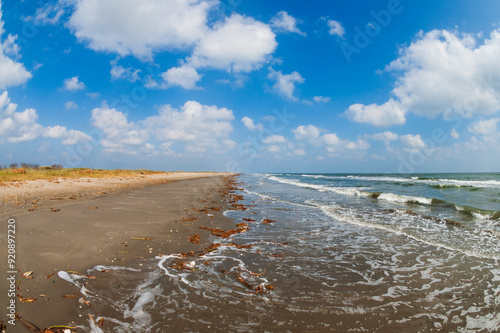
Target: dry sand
105,224
18,197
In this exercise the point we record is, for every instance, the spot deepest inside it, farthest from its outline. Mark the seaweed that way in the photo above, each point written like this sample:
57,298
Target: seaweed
195,239
26,299
181,265
241,227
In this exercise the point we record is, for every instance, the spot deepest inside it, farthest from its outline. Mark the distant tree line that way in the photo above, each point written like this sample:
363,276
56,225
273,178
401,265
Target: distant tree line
31,166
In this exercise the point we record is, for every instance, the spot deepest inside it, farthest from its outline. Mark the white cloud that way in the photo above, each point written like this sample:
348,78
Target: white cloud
18,126
184,76
249,124
166,150
239,44
331,139
359,144
440,72
412,142
151,83
68,137
70,105
73,84
299,152
93,95
274,149
309,133
118,132
490,136
285,83
385,136
236,44
484,127
274,139
24,126
334,144
199,126
140,27
336,28
120,72
388,114
285,22
454,134
49,14
321,99
12,73
315,136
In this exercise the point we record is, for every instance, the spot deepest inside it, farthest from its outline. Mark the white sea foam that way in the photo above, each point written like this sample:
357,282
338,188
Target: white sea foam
93,327
351,191
440,182
404,198
477,245
354,191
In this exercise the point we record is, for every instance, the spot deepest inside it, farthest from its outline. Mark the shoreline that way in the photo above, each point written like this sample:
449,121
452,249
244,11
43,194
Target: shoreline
155,217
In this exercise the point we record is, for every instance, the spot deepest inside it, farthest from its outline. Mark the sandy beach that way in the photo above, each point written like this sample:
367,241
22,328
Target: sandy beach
73,225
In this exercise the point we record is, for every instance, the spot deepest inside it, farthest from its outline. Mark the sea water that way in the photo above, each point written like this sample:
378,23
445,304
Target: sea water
346,252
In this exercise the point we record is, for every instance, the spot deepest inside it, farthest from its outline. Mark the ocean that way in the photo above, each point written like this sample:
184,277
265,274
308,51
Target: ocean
329,253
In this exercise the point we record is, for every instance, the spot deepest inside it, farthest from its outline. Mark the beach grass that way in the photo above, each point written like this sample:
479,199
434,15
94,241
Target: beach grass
48,173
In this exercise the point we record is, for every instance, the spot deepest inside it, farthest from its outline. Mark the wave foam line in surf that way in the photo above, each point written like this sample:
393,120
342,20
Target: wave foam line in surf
212,256
271,198
440,182
322,188
351,191
346,216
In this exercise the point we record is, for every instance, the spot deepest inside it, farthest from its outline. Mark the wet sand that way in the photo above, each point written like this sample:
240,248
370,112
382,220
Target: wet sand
76,234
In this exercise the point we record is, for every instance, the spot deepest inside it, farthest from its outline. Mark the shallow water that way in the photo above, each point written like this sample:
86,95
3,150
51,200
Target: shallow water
375,253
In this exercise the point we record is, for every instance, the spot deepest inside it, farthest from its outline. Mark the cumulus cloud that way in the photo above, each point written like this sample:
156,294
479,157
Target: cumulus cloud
140,27
309,133
285,83
199,126
487,129
67,137
238,44
484,127
385,136
184,76
330,141
118,132
286,23
70,105
249,124
428,82
299,152
73,84
119,72
336,28
12,73
387,114
412,142
359,144
274,139
23,126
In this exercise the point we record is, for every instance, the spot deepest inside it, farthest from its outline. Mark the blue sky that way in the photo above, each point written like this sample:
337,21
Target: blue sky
251,86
